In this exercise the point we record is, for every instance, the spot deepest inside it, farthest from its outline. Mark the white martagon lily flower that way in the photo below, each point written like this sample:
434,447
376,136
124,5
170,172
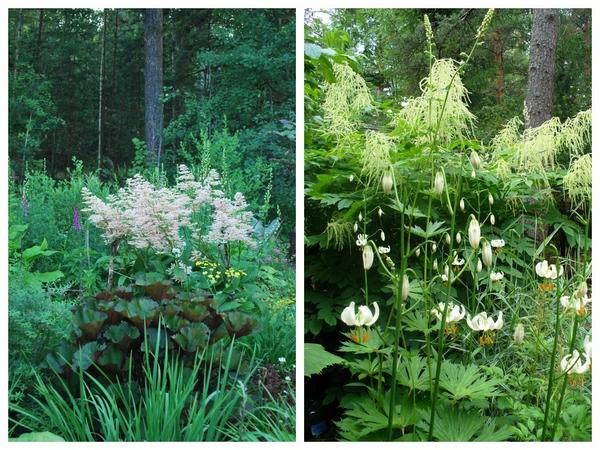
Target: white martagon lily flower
454,313
364,316
545,270
587,346
577,304
574,364
384,250
481,322
474,233
458,261
361,240
497,243
496,276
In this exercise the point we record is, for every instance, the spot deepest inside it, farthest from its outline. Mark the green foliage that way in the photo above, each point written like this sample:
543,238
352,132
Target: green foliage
316,358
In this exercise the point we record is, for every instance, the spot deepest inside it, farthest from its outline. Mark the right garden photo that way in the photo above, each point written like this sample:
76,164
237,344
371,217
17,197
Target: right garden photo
448,180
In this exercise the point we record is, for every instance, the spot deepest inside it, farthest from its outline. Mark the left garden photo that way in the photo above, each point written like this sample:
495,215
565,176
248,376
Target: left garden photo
151,225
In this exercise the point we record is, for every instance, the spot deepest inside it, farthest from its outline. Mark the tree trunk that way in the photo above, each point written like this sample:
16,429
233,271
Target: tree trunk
153,80
542,53
112,137
499,60
18,41
100,83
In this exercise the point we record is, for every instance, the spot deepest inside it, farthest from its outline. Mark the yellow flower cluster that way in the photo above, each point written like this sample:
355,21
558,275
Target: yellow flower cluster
210,270
233,273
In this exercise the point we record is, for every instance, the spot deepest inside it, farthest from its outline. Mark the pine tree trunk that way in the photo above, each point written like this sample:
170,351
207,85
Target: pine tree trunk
100,83
542,53
153,80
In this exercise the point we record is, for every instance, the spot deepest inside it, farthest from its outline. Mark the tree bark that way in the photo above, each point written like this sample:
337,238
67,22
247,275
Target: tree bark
153,81
542,54
38,47
18,41
100,85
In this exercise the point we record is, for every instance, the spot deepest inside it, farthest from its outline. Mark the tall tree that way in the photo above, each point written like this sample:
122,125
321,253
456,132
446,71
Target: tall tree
542,54
153,81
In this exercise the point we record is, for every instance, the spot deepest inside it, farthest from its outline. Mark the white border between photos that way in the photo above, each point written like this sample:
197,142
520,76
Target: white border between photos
300,5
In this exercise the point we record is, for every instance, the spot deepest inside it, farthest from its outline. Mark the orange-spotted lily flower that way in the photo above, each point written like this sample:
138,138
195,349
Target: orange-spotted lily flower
454,313
497,243
364,316
577,304
574,363
544,270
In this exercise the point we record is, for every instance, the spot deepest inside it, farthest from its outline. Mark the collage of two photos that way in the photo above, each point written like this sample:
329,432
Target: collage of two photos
434,273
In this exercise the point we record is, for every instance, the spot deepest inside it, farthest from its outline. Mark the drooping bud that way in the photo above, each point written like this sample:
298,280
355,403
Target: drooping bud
405,287
474,233
448,239
387,183
473,174
360,216
380,212
433,247
519,335
486,253
492,219
351,178
475,160
382,235
435,264
438,185
458,238
461,204
355,227
418,252
479,267
490,199
367,256
582,290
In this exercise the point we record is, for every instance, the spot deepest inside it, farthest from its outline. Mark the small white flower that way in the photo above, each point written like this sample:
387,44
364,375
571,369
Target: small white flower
497,243
364,316
361,240
454,313
281,360
444,277
572,303
496,276
481,322
458,261
176,252
287,378
384,250
574,363
544,270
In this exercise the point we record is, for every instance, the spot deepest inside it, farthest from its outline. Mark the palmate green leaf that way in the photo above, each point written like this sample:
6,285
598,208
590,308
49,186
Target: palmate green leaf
459,425
316,358
467,382
413,373
433,229
408,210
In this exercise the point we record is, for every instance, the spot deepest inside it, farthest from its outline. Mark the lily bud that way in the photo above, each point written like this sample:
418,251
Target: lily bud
360,216
380,212
474,233
519,335
438,185
448,239
387,183
490,199
473,174
492,219
486,253
458,238
355,227
382,235
351,178
479,267
581,290
475,160
433,247
418,252
367,256
435,264
405,287
461,204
